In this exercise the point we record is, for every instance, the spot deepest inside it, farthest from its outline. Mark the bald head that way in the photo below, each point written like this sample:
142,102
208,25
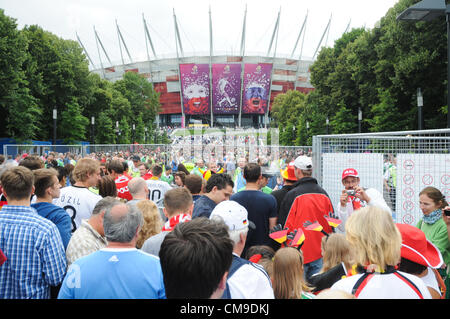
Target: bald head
122,223
138,188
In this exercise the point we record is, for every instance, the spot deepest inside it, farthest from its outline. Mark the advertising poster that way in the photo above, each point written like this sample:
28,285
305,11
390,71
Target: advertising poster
256,88
226,93
195,88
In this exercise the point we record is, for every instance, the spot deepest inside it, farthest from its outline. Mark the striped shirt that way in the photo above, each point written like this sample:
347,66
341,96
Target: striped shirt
85,240
35,254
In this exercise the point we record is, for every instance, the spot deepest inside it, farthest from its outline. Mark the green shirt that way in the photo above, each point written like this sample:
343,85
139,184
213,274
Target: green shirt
437,234
168,179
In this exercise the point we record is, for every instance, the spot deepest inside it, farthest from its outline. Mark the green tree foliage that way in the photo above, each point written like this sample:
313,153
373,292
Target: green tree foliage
379,71
40,72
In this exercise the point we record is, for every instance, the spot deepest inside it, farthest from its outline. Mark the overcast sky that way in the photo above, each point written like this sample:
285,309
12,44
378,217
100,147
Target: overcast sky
65,18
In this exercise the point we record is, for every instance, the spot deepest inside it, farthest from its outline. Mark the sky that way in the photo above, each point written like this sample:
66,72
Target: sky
66,18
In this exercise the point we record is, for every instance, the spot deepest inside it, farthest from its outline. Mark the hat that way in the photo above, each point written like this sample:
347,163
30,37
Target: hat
303,162
416,247
135,158
233,214
289,173
349,172
266,172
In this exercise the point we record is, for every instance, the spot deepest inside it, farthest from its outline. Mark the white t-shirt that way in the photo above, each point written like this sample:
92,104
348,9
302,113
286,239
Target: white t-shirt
250,282
157,189
78,202
385,286
430,280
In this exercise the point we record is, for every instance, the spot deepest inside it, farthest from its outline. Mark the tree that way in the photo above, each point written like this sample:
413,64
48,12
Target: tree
18,107
73,124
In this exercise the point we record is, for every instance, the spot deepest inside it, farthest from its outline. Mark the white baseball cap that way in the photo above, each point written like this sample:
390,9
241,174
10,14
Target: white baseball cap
233,214
303,162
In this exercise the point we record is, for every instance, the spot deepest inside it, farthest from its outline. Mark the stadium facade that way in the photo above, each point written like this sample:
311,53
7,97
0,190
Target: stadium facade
215,90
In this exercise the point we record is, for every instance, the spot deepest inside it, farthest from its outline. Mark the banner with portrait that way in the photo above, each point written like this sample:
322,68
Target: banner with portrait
226,93
195,88
256,88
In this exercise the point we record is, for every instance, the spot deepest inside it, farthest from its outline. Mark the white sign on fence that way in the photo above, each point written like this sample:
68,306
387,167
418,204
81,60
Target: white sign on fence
414,173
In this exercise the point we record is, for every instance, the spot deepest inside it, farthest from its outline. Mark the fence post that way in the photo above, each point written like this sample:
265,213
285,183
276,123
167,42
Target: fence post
316,158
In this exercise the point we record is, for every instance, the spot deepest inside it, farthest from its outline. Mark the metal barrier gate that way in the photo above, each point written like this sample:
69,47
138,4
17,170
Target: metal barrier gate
415,160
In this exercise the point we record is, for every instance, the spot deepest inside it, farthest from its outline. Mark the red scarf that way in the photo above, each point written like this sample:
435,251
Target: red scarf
171,223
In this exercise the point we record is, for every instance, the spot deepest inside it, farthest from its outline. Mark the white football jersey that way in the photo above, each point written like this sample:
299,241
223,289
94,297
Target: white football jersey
157,189
78,202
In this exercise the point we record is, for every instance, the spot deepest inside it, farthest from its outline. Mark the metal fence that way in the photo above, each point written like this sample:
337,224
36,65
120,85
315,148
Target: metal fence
420,159
165,152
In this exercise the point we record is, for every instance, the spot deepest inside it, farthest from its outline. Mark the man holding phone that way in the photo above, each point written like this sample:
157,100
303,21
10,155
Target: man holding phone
354,197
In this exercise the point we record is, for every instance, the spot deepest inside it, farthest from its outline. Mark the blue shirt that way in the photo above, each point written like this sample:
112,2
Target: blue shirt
114,274
59,217
203,207
35,252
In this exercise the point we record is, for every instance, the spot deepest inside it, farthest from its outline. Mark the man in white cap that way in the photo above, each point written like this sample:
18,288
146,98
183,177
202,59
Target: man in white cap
246,280
307,203
354,196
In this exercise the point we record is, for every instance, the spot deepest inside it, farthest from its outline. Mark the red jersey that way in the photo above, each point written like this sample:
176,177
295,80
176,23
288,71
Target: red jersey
122,187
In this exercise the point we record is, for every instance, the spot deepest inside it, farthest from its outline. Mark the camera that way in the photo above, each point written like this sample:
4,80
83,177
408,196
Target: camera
351,192
447,212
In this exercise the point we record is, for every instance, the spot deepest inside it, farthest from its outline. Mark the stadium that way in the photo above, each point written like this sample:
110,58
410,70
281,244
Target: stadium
213,90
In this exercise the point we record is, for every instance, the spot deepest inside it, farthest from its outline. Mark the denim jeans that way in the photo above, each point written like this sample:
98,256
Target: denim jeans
312,268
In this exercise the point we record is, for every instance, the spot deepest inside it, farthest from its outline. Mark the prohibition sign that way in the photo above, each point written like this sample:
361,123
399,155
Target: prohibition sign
408,164
408,205
408,179
427,179
408,219
408,192
445,179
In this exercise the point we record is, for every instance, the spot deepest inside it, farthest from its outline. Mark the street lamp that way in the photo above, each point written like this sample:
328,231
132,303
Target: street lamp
427,10
359,119
419,108
92,129
55,117
327,121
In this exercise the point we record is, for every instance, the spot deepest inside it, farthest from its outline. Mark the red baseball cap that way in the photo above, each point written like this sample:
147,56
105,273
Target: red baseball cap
349,172
416,247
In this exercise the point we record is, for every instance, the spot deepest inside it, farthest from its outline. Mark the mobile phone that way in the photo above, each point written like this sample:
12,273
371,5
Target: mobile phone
447,212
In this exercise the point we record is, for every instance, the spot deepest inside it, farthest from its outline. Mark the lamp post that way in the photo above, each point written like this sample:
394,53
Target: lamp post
427,10
118,132
92,128
359,119
419,108
327,121
55,117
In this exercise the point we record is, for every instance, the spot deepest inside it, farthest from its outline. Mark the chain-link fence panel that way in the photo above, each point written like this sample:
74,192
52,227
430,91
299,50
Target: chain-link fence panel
398,164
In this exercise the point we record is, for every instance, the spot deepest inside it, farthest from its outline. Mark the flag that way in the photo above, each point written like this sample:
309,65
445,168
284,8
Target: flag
279,236
333,222
313,226
298,238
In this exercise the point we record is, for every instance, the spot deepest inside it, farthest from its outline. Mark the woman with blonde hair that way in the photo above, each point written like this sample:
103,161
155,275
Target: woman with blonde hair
337,261
152,221
376,243
287,275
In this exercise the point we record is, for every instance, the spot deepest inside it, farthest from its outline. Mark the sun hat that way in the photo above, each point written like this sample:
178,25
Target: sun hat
416,247
289,173
349,172
303,162
233,214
